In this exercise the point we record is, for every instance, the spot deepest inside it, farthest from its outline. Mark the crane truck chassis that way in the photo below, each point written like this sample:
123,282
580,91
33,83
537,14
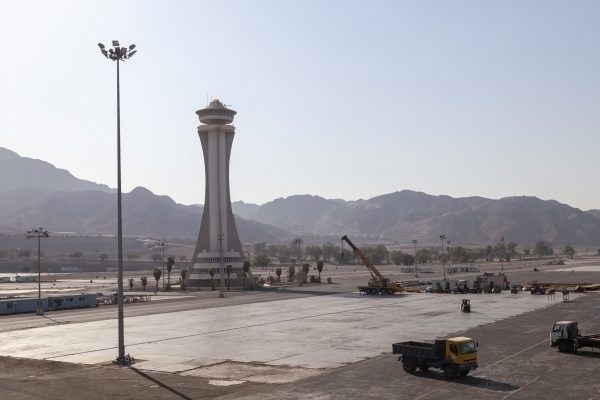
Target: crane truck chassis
566,336
455,356
377,284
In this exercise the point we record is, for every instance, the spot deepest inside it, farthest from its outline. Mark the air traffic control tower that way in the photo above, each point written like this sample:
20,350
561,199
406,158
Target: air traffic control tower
218,244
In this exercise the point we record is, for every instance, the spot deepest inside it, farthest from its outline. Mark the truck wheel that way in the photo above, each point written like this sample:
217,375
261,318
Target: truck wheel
463,373
409,365
423,367
564,347
449,372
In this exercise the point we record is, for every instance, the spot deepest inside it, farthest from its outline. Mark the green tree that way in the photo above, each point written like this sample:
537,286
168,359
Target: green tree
261,260
228,271
278,273
320,268
170,263
423,256
246,269
291,273
329,251
103,256
130,283
396,257
543,248
76,255
144,280
306,270
156,257
211,272
24,253
408,259
157,274
260,248
182,258
315,252
569,251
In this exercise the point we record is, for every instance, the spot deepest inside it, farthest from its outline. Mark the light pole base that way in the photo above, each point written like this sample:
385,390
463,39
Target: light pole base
221,295
39,311
124,361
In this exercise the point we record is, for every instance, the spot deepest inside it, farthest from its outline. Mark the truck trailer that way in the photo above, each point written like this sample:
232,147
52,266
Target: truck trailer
455,356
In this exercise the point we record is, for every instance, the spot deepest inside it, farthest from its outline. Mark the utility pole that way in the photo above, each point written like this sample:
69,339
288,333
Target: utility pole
38,233
414,241
442,238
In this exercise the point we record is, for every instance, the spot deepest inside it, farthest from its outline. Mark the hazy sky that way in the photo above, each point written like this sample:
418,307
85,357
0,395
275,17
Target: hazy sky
342,99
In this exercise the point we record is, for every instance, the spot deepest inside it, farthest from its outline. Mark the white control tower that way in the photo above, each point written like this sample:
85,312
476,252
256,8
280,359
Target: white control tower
218,244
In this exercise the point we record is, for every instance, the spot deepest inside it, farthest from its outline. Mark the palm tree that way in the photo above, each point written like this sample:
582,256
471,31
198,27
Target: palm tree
320,268
170,263
157,273
144,280
183,275
228,271
246,269
211,272
130,283
278,273
291,273
306,270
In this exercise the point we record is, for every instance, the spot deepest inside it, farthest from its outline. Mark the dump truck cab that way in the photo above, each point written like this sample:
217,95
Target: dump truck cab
462,351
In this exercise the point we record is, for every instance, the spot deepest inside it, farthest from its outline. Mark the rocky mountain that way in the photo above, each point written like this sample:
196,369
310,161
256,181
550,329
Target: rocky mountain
407,215
18,172
35,193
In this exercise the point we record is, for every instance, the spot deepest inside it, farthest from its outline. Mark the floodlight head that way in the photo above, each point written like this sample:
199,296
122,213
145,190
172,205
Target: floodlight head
105,53
132,47
132,53
115,43
101,46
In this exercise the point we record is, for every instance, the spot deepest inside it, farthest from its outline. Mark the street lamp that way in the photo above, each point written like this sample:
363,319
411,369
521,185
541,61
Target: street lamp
38,233
221,237
414,241
118,54
162,244
442,238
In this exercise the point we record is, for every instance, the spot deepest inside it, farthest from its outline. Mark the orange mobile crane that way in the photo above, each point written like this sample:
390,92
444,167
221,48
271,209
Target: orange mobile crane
377,284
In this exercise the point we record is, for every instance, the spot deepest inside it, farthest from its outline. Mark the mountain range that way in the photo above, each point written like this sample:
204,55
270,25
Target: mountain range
35,193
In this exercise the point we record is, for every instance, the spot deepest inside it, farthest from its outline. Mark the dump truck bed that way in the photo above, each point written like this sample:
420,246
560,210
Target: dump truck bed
420,350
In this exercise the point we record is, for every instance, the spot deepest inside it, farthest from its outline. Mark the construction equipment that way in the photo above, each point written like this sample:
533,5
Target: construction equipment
455,356
465,305
566,336
377,284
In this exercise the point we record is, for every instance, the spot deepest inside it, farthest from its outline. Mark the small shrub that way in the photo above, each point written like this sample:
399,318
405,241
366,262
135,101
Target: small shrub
329,280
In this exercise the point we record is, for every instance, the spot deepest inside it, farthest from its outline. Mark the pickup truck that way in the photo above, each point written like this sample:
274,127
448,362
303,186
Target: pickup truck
455,356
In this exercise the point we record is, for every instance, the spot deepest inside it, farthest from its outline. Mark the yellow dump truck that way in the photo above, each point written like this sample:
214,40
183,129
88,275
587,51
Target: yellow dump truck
455,356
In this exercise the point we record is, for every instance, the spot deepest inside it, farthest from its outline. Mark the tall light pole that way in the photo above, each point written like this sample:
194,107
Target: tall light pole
221,237
118,54
442,238
162,244
414,241
38,233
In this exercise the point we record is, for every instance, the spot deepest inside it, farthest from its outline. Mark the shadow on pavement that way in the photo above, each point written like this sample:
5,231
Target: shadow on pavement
475,381
159,383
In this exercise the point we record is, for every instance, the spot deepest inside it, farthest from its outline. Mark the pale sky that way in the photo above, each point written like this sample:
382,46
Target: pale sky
342,99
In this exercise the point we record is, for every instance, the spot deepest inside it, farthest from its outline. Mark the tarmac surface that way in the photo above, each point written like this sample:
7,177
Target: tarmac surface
299,343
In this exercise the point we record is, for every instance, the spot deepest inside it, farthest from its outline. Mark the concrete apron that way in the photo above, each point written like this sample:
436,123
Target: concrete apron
273,342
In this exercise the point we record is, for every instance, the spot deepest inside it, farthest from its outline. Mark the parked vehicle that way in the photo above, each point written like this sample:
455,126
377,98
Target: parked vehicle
566,336
455,356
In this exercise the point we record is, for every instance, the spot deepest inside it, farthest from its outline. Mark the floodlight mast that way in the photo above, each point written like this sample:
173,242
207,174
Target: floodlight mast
118,54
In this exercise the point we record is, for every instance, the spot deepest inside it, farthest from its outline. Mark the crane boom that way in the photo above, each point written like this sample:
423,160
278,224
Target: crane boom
372,270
